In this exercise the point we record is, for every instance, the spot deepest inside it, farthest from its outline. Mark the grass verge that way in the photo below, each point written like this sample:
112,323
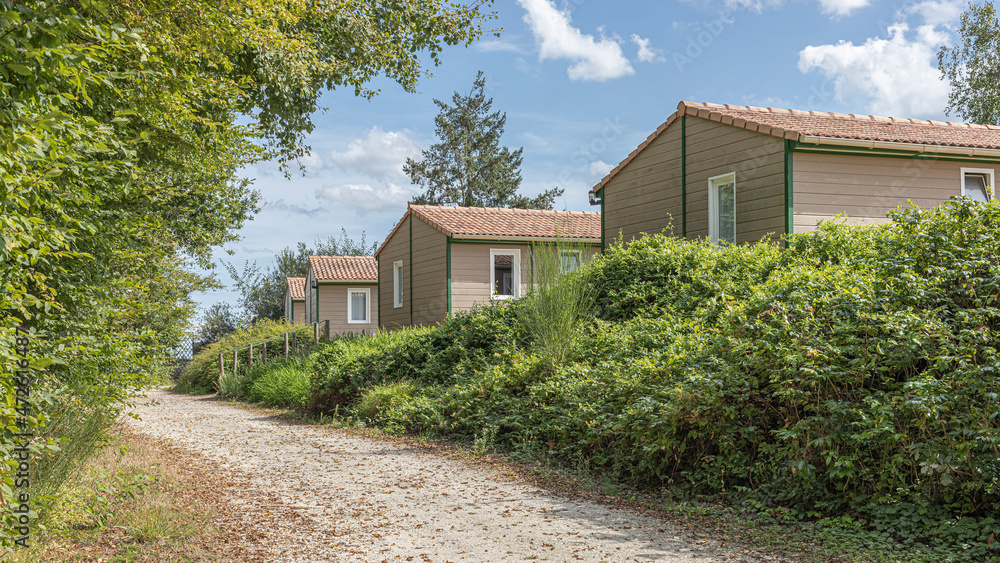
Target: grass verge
135,502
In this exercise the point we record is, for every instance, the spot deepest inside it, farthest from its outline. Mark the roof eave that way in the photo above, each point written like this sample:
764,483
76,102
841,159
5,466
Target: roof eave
919,148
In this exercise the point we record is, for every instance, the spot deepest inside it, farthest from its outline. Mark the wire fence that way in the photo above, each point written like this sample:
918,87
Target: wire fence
294,342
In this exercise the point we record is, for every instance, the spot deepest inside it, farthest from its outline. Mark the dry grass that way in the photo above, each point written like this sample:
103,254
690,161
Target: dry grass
148,504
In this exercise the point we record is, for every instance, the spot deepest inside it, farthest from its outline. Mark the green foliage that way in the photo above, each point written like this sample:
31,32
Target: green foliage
201,375
468,167
972,65
262,293
457,348
559,302
380,399
280,384
854,373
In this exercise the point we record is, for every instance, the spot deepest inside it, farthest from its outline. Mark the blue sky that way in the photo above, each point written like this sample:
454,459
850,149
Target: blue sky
583,82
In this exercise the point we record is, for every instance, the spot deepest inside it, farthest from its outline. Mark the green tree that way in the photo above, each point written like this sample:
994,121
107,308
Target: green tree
262,292
122,130
972,66
468,167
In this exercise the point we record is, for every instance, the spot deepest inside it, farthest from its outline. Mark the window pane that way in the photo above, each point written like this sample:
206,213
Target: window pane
503,274
569,262
359,309
975,187
727,212
399,284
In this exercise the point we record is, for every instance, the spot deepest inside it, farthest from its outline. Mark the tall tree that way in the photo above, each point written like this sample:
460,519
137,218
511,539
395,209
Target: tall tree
262,292
468,167
972,66
123,128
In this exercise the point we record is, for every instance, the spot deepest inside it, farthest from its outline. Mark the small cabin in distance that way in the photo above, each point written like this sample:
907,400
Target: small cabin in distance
342,290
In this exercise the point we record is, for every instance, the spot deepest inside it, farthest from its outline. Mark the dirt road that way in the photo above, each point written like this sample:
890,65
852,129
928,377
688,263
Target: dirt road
312,493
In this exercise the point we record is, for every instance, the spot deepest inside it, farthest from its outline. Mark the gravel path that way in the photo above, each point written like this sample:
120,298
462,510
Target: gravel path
314,493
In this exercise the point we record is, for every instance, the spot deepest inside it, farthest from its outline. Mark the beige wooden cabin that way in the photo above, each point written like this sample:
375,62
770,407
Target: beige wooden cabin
439,260
342,290
295,300
741,173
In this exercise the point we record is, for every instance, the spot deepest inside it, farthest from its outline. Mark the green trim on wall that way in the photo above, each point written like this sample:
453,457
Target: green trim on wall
600,193
316,303
789,201
798,146
378,291
447,259
684,178
410,270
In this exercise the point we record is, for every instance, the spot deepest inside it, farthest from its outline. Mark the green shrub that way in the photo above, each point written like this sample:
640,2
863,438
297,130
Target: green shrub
855,372
202,374
279,383
453,350
380,400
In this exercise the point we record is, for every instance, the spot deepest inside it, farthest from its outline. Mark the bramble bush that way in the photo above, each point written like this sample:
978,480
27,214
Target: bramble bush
854,372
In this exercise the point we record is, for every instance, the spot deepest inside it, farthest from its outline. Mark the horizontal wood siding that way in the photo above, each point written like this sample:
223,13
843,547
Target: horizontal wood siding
645,196
865,188
470,272
758,160
299,312
333,307
430,274
395,249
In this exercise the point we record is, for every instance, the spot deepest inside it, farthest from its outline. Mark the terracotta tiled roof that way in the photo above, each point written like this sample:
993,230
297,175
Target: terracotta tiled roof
795,124
297,287
506,224
344,268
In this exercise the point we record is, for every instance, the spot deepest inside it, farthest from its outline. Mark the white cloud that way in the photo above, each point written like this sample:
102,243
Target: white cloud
896,76
498,46
836,8
294,209
380,155
366,198
557,39
647,54
599,168
937,12
840,8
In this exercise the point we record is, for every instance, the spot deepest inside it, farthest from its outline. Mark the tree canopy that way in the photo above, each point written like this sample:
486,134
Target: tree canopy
122,130
467,166
972,66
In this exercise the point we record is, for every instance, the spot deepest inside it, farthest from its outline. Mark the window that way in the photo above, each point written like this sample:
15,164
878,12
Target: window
570,260
505,274
977,184
722,208
397,283
357,305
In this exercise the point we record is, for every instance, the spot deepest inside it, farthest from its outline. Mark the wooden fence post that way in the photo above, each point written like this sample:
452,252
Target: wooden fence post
286,345
234,363
326,328
250,358
263,352
315,333
295,341
222,367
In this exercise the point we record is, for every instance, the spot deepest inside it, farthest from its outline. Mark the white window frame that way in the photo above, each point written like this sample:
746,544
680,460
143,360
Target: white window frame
368,305
713,204
988,172
515,271
397,284
579,257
